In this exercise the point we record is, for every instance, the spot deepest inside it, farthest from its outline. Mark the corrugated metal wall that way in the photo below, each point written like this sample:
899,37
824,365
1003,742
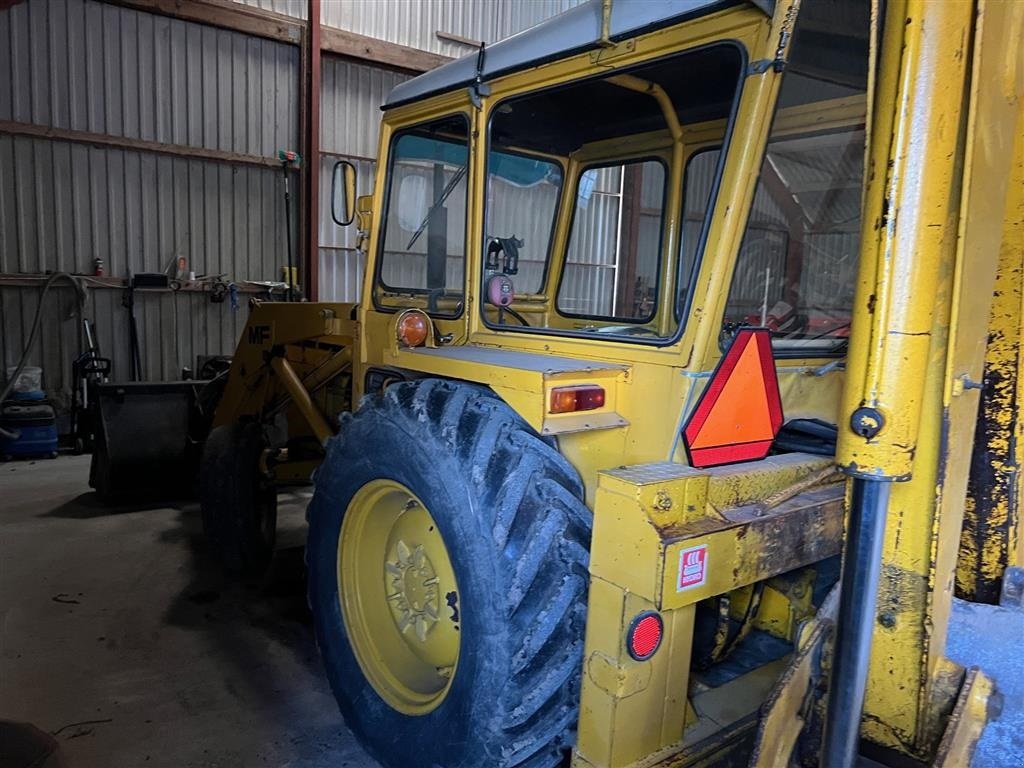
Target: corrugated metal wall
828,175
415,23
87,66
101,68
295,8
592,283
350,99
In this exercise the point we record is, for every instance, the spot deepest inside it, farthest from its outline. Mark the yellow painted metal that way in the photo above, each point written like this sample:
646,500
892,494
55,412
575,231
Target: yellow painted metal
977,702
919,328
664,319
993,532
300,396
629,709
910,209
393,574
293,472
316,339
645,518
790,707
746,25
783,607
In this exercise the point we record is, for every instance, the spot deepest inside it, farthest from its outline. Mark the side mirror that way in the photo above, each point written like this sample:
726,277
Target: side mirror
343,193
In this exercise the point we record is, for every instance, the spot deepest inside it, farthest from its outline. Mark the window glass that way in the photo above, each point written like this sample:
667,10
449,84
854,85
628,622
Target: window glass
601,275
698,183
422,260
522,199
611,268
797,265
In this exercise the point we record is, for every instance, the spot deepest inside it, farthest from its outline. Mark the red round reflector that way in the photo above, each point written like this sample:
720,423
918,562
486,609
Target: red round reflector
644,636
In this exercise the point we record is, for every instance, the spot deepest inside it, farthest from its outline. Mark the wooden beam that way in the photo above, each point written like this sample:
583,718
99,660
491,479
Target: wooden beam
286,29
12,128
378,52
225,14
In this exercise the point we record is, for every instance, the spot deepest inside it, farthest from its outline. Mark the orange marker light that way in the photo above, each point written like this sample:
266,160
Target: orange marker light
412,329
583,397
740,412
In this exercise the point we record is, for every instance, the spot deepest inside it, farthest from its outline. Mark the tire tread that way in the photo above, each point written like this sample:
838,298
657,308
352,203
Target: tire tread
531,511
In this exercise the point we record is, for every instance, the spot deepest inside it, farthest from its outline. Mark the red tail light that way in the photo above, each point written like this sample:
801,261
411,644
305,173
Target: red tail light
583,397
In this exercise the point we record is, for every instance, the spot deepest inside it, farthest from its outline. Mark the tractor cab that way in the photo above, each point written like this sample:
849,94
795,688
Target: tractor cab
614,205
598,192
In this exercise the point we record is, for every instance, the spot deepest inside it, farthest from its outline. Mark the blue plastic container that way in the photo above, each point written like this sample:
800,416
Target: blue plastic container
35,425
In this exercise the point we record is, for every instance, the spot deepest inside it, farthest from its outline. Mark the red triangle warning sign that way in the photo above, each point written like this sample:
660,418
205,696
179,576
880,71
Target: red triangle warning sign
740,412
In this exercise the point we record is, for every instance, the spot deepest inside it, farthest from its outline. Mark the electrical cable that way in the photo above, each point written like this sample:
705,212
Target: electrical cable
517,316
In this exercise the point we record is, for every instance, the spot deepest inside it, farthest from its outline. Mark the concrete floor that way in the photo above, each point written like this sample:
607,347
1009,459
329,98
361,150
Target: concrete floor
992,638
119,634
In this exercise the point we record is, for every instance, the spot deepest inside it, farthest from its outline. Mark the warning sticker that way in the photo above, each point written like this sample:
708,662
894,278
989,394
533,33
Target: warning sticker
693,567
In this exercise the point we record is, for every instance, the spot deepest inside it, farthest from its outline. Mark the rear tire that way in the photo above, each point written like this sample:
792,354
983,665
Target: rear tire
238,504
509,509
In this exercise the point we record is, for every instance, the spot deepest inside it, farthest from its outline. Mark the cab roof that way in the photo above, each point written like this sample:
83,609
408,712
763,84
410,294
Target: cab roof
568,33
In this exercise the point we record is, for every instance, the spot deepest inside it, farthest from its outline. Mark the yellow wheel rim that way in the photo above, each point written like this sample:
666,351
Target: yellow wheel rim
399,599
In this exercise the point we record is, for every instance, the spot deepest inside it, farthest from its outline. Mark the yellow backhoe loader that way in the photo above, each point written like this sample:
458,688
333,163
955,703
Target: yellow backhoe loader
651,439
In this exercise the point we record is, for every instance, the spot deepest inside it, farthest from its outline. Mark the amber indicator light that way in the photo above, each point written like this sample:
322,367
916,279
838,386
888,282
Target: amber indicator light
412,329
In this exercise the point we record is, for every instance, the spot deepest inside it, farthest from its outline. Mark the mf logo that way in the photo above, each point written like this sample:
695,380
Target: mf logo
259,335
693,567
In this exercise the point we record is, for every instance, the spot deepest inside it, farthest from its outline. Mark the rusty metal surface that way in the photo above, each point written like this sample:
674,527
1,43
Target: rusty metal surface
993,534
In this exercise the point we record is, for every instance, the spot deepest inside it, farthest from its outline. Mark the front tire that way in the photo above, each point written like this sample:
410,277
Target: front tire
238,504
515,534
